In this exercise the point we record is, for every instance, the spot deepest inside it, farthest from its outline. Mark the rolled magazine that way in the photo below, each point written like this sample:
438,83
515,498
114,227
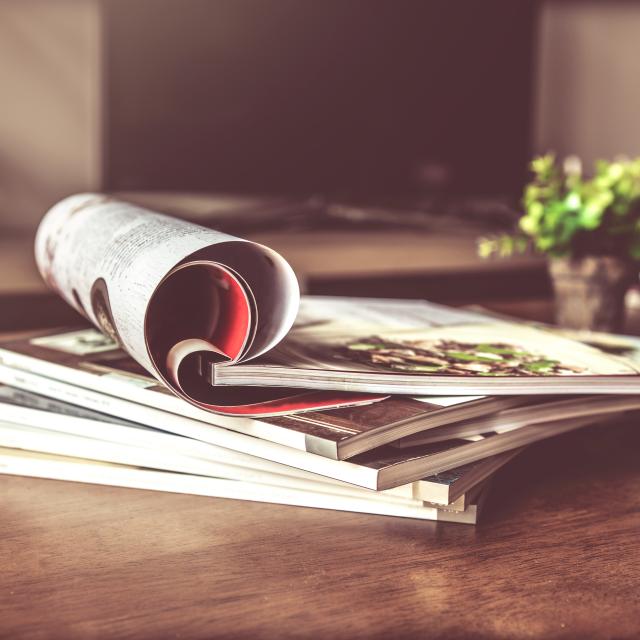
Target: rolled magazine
171,292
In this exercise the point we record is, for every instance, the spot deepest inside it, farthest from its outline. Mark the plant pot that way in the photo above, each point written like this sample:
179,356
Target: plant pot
590,292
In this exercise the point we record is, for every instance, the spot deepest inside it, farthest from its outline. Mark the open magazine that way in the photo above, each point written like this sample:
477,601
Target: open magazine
217,319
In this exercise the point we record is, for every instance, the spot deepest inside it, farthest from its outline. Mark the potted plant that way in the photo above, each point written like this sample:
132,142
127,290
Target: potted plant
589,228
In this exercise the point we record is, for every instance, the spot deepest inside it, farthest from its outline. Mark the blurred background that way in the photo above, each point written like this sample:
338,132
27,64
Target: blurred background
370,143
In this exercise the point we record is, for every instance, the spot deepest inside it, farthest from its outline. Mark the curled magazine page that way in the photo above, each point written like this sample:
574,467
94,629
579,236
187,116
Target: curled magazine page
175,296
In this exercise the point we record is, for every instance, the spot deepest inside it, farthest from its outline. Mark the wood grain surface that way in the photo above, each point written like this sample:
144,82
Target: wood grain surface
556,555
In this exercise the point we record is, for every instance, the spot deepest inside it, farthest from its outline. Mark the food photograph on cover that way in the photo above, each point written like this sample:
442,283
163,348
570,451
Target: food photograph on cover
301,298
463,350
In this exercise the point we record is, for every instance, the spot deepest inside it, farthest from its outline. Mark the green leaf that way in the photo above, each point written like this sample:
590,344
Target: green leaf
591,216
503,351
529,225
573,201
486,247
540,366
467,357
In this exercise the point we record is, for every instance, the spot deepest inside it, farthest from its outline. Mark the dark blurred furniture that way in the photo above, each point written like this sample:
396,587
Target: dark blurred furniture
299,96
557,555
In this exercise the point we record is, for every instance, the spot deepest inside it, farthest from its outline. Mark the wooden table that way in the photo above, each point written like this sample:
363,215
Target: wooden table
556,555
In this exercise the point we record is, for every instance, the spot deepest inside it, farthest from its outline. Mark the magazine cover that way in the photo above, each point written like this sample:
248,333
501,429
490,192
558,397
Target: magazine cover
451,352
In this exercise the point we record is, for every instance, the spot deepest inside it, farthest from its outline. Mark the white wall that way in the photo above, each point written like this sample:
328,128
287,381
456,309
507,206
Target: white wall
49,105
588,97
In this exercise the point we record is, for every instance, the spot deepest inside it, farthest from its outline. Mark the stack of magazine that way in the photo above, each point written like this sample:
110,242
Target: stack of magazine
201,370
